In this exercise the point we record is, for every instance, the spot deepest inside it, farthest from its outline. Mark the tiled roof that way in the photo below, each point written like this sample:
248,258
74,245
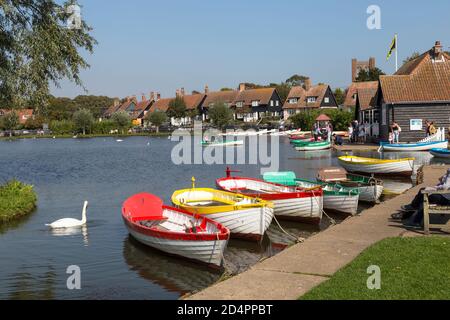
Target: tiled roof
424,79
192,102
263,95
112,109
220,96
301,94
350,101
366,97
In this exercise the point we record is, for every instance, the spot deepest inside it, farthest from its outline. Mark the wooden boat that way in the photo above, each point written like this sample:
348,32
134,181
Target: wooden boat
335,197
245,216
370,189
290,202
226,143
378,166
312,146
174,231
423,146
440,153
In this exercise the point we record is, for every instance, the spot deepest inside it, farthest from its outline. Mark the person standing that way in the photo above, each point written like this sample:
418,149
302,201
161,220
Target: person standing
427,123
432,129
329,131
350,132
396,129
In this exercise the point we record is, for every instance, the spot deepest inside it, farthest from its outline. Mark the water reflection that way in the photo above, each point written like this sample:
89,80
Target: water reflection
26,285
172,273
66,232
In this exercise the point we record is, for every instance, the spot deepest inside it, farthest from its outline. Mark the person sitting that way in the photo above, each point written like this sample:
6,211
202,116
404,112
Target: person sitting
413,213
338,140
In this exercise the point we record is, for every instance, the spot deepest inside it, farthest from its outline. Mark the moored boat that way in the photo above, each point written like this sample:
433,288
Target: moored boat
290,202
335,197
312,146
378,166
421,146
440,153
246,217
370,189
174,231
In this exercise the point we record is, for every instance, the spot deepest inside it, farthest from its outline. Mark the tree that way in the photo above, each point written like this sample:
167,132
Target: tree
226,89
156,118
10,121
122,120
283,90
38,47
304,119
372,74
177,108
339,94
297,80
411,57
220,115
62,127
83,120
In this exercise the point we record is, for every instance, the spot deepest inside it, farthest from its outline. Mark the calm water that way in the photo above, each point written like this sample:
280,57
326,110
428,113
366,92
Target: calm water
105,172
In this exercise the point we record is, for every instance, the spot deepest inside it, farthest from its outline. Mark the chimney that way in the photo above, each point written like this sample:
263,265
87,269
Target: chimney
116,102
354,75
308,84
152,96
128,99
437,49
177,92
241,87
206,89
158,96
182,92
143,97
372,63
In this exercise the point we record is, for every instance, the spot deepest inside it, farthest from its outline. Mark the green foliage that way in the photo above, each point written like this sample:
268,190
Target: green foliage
411,269
104,126
122,120
297,80
37,48
10,121
34,123
62,127
340,119
16,200
226,89
156,118
220,115
83,120
177,108
369,75
339,94
283,90
64,108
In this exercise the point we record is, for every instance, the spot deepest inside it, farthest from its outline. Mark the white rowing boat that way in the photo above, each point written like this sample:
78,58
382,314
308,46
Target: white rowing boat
378,166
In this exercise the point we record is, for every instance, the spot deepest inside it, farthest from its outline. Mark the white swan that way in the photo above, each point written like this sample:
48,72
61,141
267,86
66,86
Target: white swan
69,222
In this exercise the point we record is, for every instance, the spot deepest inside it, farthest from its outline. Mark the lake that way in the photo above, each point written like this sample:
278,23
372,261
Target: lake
65,172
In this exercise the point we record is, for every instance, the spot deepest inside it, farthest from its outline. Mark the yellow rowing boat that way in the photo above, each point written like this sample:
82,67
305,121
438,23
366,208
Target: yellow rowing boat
403,166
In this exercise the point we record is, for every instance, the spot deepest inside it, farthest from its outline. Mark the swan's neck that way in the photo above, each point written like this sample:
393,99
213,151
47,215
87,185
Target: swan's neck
83,214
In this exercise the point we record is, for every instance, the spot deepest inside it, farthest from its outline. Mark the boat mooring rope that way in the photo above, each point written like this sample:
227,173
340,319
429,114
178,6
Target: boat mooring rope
297,239
333,222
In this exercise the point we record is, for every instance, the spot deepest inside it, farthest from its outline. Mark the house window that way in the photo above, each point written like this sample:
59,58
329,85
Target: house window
278,103
255,103
239,104
311,99
271,103
293,100
327,100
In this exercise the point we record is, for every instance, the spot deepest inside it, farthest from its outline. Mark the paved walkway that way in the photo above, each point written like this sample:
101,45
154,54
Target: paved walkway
299,268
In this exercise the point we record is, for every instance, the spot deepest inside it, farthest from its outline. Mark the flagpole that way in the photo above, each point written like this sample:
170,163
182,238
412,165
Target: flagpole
396,52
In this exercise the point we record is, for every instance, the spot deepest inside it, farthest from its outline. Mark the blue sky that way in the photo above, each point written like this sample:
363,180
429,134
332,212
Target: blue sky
163,45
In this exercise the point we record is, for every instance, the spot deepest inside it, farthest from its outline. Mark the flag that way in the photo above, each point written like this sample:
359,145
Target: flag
392,48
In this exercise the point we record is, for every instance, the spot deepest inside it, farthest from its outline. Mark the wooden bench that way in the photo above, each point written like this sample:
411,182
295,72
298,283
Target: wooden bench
429,209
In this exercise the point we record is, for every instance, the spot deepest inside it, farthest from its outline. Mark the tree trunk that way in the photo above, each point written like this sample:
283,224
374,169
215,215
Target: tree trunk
157,129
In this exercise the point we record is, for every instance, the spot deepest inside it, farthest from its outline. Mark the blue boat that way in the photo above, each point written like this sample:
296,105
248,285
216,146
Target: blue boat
420,146
440,153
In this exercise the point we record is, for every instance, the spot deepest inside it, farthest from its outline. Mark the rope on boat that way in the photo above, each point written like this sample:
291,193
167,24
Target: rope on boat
333,222
297,239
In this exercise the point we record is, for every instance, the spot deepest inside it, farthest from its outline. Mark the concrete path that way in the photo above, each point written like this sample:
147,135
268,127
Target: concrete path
300,268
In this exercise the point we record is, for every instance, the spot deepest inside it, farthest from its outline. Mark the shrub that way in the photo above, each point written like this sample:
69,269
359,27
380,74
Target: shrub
62,127
83,120
16,199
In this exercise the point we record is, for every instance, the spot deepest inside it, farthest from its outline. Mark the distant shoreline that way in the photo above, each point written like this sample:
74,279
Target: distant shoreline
87,136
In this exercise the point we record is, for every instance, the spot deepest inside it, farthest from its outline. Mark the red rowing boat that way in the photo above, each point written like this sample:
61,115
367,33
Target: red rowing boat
290,202
173,230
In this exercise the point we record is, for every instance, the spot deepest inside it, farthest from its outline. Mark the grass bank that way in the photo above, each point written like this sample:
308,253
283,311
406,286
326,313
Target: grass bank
411,268
87,136
16,200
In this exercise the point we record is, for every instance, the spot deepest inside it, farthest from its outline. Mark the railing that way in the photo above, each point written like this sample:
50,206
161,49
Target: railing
439,136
